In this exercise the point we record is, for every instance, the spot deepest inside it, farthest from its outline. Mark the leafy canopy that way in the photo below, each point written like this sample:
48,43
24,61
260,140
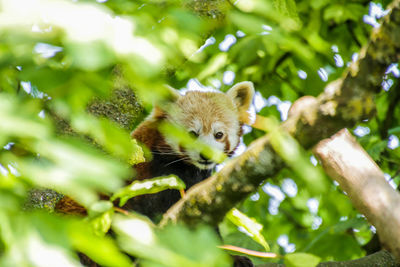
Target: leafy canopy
56,57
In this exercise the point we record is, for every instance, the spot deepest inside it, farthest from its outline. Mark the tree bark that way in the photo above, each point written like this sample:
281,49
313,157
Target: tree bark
357,174
381,258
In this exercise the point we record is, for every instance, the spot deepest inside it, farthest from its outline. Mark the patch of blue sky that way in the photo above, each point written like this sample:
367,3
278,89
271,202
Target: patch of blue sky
46,50
283,241
227,42
289,187
361,131
323,74
313,160
282,106
393,142
228,77
393,69
390,180
375,13
208,42
302,74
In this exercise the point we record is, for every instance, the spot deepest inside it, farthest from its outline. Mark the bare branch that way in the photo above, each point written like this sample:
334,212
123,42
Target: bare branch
358,175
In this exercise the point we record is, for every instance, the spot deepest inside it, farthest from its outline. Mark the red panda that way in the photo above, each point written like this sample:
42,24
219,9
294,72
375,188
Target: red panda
214,117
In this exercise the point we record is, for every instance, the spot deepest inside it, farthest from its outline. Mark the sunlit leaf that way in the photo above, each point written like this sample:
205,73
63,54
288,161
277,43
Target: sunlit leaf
100,217
104,252
340,12
250,225
109,136
115,34
170,244
137,155
395,130
179,135
148,186
215,64
301,260
292,153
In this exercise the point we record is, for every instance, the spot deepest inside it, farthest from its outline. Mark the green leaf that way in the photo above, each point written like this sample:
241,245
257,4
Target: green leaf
340,13
90,56
100,217
104,252
148,186
288,8
377,149
250,225
101,224
395,130
117,141
137,155
215,64
292,153
301,260
170,246
247,23
181,136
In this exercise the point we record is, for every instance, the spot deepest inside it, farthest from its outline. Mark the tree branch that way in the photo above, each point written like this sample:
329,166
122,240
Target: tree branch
381,258
358,175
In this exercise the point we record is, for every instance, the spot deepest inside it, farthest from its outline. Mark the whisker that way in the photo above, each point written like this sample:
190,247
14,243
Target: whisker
181,159
165,153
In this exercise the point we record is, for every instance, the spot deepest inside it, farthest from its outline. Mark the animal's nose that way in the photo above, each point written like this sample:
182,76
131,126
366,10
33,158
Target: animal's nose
203,157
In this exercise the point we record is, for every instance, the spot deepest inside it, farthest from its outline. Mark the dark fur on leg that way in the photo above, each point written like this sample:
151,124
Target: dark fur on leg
242,261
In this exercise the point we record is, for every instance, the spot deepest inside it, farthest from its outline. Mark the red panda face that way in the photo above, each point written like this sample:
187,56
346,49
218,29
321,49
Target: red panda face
214,118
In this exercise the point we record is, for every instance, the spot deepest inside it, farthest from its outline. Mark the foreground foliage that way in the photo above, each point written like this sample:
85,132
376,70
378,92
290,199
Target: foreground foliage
54,62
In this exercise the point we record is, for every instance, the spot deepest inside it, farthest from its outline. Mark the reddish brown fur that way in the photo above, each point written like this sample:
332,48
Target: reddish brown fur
148,134
67,205
203,106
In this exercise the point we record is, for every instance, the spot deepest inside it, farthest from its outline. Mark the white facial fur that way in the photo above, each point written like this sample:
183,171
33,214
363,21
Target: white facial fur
210,140
209,113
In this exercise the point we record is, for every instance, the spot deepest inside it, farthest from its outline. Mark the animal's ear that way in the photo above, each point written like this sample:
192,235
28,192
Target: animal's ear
242,94
172,95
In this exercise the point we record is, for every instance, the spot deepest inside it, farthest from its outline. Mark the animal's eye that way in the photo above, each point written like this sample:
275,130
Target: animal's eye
218,135
193,133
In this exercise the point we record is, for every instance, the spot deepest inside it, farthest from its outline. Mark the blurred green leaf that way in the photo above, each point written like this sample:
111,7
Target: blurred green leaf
181,136
174,245
219,61
74,169
15,121
340,237
395,130
288,8
250,225
109,136
55,237
301,260
148,186
100,217
279,45
292,153
105,252
340,13
90,56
